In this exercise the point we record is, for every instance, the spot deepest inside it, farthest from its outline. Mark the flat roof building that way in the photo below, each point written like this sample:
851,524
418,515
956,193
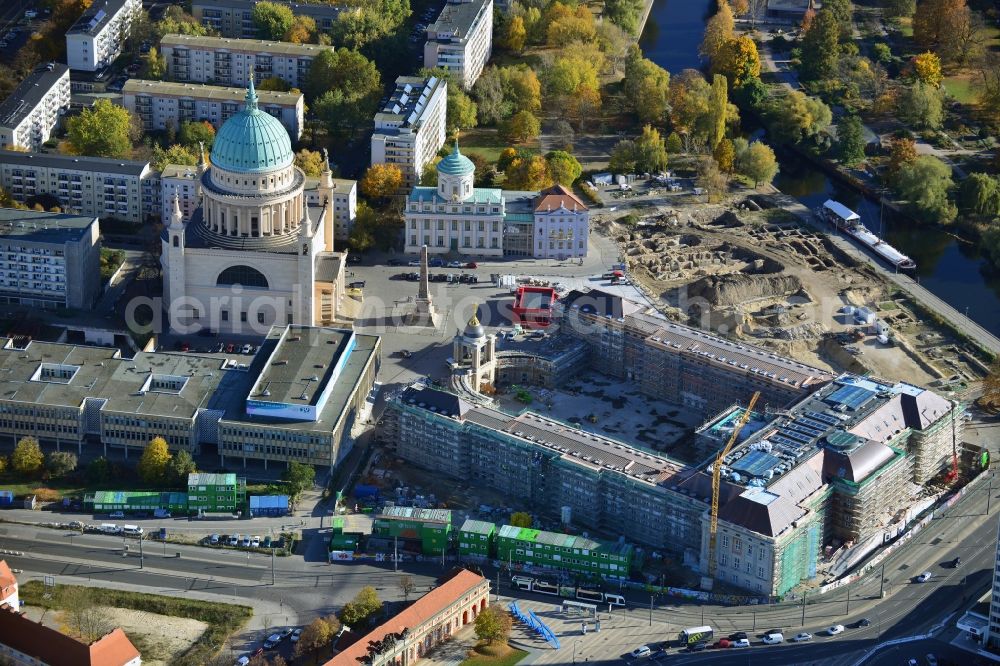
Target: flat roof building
568,553
344,193
410,126
31,112
429,529
180,181
232,62
97,37
91,186
161,104
461,40
234,18
49,260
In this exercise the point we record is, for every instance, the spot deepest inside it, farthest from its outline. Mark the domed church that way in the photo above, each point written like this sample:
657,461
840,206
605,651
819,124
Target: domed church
254,254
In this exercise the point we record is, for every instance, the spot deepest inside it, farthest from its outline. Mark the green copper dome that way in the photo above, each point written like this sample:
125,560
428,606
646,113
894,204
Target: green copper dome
456,164
252,141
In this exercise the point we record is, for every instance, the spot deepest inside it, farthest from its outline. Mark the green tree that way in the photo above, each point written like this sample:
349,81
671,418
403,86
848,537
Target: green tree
922,106
27,458
362,235
60,463
797,117
275,83
758,164
368,23
521,127
154,65
841,11
180,466
365,605
101,131
563,167
712,179
346,87
925,183
820,47
674,144
311,162
503,91
521,519
175,154
194,132
154,464
272,20
99,470
625,14
298,477
381,181
462,111
651,151
493,625
900,8
718,107
882,53
647,87
850,140
979,194
176,21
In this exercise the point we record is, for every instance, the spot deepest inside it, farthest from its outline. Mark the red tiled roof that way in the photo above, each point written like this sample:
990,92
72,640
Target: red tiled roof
556,196
8,583
422,610
49,646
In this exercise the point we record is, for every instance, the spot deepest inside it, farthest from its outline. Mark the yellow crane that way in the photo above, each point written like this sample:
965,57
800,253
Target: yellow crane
713,526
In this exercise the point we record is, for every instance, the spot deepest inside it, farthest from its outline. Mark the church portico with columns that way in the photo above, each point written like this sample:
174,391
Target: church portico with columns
254,254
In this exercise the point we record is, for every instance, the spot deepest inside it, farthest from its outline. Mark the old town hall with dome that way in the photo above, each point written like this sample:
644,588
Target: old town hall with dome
255,253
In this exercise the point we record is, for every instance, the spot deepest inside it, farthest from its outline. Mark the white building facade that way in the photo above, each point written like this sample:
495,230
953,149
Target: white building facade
461,40
233,62
160,104
562,225
455,216
30,114
234,18
410,127
97,37
343,194
254,254
123,189
181,183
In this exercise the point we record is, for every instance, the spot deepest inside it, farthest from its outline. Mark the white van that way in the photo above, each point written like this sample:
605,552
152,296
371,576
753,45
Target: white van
132,530
773,639
110,528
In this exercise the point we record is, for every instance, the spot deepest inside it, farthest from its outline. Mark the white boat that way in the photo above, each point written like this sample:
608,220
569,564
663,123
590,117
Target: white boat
845,219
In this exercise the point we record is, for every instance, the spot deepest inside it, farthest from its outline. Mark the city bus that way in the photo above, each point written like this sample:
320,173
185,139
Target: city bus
695,635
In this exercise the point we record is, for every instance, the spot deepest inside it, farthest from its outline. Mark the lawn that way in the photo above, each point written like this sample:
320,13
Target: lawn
961,87
487,144
487,655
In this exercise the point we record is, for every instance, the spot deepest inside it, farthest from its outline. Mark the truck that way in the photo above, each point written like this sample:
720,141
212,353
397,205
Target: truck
695,635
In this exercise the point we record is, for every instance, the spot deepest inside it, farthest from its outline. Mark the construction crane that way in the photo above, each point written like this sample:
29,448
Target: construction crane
713,526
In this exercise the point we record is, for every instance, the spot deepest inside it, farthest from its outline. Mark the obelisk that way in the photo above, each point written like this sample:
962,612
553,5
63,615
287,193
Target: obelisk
423,313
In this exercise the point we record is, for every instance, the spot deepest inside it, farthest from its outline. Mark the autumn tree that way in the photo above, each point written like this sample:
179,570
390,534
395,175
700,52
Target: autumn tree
718,30
104,130
176,21
991,383
193,132
567,25
927,68
718,106
493,625
154,65
302,31
406,586
712,179
515,35
8,201
925,184
381,181
315,636
724,155
60,463
820,47
27,458
364,606
850,140
311,162
272,20
797,117
275,83
573,82
758,163
528,172
174,154
503,91
900,8
934,19
988,80
738,61
520,519
647,87
647,153
739,7
902,152
563,167
154,464
690,97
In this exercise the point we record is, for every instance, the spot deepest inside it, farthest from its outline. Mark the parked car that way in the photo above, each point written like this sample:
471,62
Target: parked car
246,349
230,348
697,647
741,643
296,635
735,636
234,540
641,652
255,543
773,639
267,542
924,577
246,542
413,262
116,514
286,632
219,348
472,264
863,622
214,539
358,284
956,563
405,353
272,641
243,661
396,262
456,264
435,263
185,347
804,636
835,629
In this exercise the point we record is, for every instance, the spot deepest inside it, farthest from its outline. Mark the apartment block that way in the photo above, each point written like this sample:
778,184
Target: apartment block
213,493
180,181
97,37
234,18
410,127
232,62
461,40
345,202
78,394
90,186
161,104
32,111
992,639
49,260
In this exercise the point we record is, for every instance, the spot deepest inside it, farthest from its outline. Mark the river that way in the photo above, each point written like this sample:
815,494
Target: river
953,270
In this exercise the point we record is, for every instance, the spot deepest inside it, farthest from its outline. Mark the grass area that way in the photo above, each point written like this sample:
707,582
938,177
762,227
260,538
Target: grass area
222,619
487,144
961,87
887,306
494,655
